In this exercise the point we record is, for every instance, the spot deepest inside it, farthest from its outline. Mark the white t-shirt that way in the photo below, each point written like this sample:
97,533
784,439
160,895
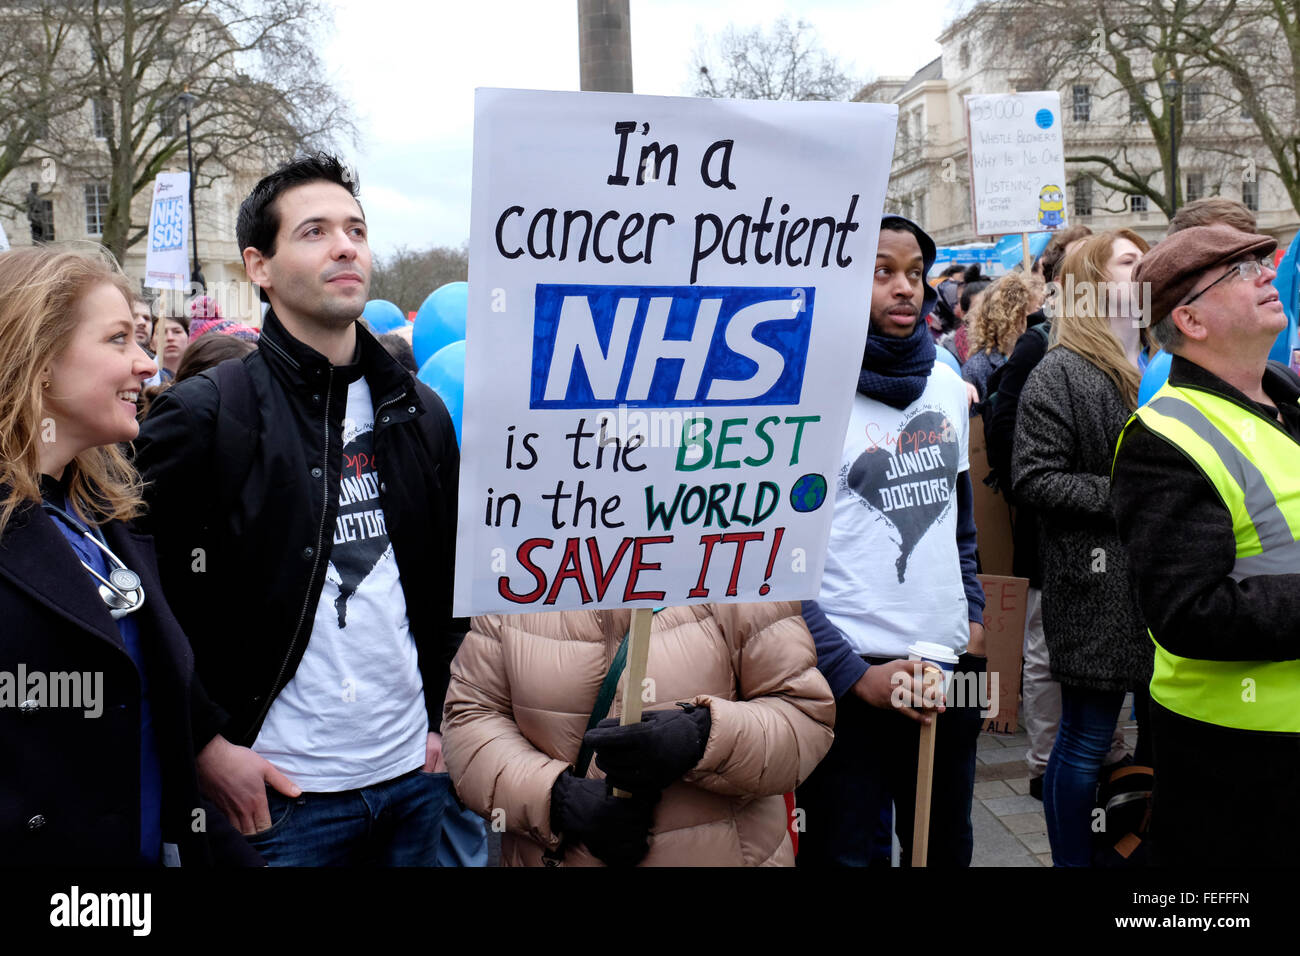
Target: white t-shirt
353,714
893,575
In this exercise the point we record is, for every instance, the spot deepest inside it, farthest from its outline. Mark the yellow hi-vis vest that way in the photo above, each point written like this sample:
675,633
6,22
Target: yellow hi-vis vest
1255,468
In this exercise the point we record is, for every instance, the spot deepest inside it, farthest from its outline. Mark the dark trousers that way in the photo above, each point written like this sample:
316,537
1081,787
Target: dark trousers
873,761
1222,797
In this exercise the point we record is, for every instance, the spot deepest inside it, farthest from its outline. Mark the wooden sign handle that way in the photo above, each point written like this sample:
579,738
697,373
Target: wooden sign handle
638,651
924,786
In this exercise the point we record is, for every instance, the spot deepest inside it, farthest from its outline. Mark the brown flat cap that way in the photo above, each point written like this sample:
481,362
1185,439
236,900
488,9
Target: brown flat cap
1177,263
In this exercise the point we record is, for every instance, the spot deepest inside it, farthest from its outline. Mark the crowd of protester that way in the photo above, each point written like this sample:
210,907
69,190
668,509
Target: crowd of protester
333,711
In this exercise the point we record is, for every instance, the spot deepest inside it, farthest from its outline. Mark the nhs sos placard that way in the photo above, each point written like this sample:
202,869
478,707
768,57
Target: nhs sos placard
668,306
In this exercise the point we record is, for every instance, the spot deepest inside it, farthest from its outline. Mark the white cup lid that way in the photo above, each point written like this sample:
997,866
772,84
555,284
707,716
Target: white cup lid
927,651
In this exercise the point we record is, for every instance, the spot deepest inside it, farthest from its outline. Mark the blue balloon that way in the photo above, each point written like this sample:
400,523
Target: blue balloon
440,321
445,374
383,316
1154,378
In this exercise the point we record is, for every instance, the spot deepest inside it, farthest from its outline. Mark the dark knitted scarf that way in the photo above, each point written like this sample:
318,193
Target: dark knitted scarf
894,370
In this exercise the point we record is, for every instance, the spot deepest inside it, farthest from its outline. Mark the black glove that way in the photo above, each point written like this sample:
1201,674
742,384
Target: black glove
653,753
615,829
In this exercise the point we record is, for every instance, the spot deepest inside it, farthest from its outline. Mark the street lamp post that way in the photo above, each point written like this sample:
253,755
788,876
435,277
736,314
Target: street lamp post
187,100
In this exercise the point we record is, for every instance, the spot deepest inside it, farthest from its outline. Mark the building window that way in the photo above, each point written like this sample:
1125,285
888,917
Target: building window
963,56
96,208
1136,100
1193,104
1195,187
918,125
1137,203
1083,196
918,207
169,117
41,215
103,115
1250,194
1082,104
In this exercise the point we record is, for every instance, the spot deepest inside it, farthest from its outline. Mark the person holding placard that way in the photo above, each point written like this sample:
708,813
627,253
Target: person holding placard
737,716
900,569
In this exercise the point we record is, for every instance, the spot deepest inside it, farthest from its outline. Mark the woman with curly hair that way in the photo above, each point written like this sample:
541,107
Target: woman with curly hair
995,326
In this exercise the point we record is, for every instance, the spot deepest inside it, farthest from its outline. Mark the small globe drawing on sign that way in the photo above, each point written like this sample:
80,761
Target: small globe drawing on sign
1044,119
808,493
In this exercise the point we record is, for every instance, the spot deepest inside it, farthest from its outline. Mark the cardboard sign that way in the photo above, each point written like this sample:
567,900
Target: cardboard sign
1017,160
668,307
166,264
993,526
1006,599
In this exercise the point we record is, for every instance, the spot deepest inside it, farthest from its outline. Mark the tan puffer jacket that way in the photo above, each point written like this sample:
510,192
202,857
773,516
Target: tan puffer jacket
523,687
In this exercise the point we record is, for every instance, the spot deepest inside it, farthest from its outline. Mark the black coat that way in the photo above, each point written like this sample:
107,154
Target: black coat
264,523
1070,417
70,783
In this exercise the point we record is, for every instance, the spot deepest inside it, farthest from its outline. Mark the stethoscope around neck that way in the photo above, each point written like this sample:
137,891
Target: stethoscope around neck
121,590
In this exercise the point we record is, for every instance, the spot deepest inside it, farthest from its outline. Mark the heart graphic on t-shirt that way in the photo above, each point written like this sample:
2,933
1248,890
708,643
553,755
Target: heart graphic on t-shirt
910,485
360,537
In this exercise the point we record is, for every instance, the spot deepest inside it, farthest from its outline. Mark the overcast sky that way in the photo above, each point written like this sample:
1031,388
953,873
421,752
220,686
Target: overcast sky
410,70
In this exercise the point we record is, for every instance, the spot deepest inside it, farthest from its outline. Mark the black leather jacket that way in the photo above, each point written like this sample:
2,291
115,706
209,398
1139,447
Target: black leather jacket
244,527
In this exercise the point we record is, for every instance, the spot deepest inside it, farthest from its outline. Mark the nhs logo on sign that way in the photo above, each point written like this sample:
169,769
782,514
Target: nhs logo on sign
167,231
662,346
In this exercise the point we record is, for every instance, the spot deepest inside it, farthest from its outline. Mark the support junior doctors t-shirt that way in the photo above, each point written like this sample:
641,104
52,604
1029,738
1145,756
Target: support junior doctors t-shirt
353,714
893,575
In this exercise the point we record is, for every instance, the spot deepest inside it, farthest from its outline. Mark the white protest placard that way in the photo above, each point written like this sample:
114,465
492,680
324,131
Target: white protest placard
4,240
166,263
668,307
1017,159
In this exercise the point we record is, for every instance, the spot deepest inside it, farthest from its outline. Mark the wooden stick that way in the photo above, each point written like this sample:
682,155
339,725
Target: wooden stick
1024,251
638,651
924,782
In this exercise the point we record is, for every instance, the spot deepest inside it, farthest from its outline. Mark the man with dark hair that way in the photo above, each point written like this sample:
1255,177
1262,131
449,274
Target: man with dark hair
900,569
1206,495
144,323
314,574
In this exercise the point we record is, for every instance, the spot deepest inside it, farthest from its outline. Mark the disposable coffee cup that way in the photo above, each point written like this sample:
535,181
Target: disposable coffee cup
936,655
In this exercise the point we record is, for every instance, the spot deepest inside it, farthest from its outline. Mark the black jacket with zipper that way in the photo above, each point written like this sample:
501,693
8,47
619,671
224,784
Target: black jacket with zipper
244,568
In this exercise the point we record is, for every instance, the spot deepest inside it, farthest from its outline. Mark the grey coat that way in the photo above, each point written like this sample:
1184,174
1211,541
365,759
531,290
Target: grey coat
1070,418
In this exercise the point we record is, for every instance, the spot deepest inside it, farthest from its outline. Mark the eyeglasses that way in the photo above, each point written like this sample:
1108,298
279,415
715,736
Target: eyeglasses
1247,270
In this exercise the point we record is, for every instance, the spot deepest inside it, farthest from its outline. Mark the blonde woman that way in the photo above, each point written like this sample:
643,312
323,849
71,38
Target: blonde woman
995,325
1072,410
96,748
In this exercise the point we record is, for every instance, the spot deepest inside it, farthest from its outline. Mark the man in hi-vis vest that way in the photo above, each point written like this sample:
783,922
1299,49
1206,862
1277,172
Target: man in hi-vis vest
1206,492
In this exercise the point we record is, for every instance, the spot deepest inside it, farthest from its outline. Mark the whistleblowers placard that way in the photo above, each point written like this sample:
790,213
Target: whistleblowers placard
1017,158
668,307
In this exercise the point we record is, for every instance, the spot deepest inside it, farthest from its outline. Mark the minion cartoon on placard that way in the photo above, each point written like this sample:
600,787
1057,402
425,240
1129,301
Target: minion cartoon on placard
1051,205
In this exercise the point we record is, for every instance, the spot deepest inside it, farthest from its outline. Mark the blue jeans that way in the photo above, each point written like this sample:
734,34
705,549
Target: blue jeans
396,823
873,761
1070,785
